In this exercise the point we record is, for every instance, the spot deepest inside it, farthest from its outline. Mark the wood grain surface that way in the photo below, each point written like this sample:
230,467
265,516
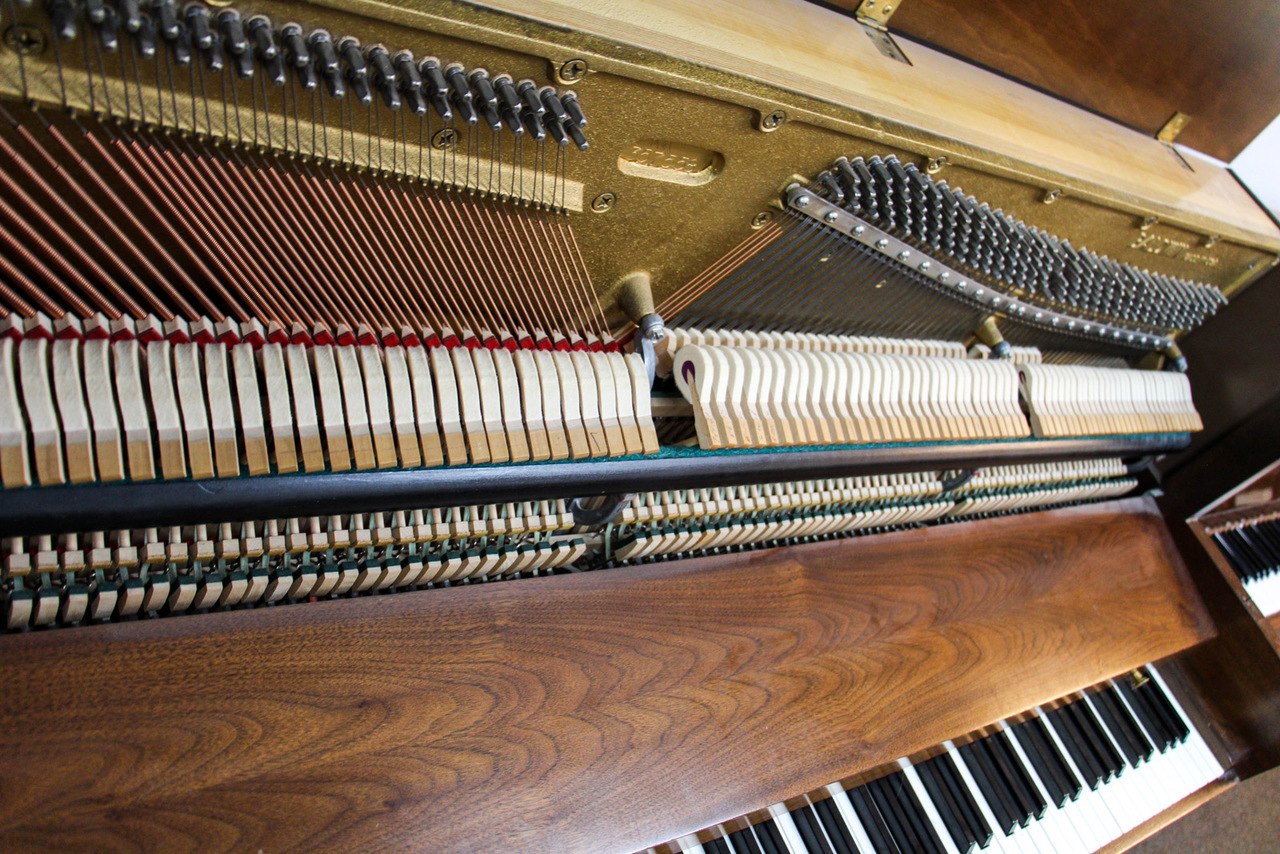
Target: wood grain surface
1218,62
601,711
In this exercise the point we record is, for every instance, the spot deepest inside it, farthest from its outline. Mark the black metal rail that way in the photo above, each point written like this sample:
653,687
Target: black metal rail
105,507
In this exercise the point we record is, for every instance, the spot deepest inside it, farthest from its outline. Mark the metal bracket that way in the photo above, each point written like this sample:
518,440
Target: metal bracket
874,17
1173,127
652,330
602,515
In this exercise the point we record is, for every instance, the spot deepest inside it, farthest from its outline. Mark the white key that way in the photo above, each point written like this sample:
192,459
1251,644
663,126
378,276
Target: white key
1137,806
1207,762
844,806
787,827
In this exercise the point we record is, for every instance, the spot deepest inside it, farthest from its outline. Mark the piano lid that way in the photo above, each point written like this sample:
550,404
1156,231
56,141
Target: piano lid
1218,63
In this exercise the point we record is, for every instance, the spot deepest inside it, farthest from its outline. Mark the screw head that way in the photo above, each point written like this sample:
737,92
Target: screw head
1052,196
761,219
772,121
882,243
831,216
573,70
444,138
24,40
935,164
859,229
802,201
603,202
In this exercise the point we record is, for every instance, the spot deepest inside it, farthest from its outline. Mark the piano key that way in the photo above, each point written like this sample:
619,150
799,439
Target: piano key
811,832
944,832
895,819
1208,763
1085,763
844,806
1012,766
744,841
932,837
992,787
838,834
1056,826
717,846
872,821
962,836
787,830
1089,802
1045,766
770,837
1003,839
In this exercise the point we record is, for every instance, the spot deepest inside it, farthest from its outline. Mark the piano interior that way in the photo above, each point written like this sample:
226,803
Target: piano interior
636,426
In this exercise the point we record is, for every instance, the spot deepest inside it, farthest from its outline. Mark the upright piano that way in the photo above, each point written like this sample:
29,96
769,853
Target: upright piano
579,426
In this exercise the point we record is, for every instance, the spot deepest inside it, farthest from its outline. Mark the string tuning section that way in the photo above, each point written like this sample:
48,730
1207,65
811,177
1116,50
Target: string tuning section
252,45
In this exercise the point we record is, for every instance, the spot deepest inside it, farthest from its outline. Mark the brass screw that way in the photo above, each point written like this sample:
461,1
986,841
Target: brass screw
761,219
602,202
772,121
1149,221
1052,196
446,138
573,70
24,40
935,164
1138,678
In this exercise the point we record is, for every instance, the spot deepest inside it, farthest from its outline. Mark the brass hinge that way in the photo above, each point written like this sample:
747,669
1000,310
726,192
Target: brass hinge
877,13
874,17
1172,128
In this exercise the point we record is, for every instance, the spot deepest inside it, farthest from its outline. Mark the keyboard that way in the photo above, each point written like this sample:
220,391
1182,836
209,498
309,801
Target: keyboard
1069,776
1253,550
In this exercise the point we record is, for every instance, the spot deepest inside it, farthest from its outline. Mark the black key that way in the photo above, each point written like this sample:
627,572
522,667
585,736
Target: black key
947,809
1074,713
1043,769
1021,780
1115,725
1163,701
1141,707
1003,775
894,818
900,786
1074,743
872,822
717,846
837,833
944,767
815,841
1139,738
1049,750
770,837
997,798
744,842
1097,736
1158,716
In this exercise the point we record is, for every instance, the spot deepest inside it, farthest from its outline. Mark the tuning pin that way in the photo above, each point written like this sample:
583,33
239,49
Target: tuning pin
166,16
181,47
384,76
235,42
145,37
509,103
62,15
326,61
486,98
576,135
95,11
197,17
130,15
298,55
555,129
262,34
109,31
460,92
550,100
569,100
410,82
436,87
357,72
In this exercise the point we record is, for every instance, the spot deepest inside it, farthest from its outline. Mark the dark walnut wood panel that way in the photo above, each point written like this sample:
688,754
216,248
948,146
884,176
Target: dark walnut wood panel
1135,62
607,710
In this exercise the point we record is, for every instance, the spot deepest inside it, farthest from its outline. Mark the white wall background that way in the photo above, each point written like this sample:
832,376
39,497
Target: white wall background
1259,167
